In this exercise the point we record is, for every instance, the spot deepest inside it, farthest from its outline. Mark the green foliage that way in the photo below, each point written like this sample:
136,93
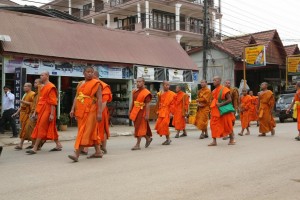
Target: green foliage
64,119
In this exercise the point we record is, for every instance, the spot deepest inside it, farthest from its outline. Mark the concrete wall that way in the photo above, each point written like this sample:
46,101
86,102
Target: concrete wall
219,64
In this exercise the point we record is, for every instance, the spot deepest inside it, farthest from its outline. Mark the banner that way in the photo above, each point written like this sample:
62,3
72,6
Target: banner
10,63
57,68
150,73
293,65
177,75
255,56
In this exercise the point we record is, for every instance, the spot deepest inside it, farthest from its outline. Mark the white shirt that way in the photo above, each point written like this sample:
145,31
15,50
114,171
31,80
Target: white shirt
8,101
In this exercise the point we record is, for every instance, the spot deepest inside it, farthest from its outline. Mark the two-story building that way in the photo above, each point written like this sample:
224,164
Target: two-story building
178,19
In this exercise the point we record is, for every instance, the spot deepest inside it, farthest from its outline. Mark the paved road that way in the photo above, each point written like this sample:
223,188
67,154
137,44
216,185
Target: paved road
256,168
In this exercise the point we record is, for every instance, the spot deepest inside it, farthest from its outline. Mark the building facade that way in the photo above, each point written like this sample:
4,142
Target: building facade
178,19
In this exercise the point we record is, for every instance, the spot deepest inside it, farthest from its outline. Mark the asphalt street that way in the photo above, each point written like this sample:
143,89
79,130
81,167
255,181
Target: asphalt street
255,168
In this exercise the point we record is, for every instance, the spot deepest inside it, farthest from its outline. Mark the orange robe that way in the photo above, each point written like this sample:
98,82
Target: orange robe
86,114
180,107
252,112
245,114
202,116
31,123
297,98
24,114
221,126
138,112
234,93
266,105
45,129
164,103
103,125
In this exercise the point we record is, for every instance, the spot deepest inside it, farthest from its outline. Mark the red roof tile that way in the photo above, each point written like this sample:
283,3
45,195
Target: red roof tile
44,36
292,49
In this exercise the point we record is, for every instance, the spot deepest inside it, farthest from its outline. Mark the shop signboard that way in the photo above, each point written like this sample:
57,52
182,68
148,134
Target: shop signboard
255,56
18,89
11,62
293,65
150,73
177,75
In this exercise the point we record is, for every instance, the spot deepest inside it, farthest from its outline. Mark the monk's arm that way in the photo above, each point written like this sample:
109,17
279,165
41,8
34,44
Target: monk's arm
73,107
291,106
99,101
227,101
16,113
26,102
147,111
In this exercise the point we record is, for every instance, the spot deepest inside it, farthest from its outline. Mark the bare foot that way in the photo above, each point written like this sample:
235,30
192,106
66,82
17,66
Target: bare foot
232,142
248,133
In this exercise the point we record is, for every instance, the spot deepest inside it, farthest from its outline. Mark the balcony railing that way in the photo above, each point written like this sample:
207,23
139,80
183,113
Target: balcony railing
117,2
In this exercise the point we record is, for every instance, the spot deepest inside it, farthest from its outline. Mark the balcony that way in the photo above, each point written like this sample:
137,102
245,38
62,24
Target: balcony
117,2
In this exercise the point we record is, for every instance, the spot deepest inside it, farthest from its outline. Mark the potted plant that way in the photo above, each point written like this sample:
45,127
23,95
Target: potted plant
63,121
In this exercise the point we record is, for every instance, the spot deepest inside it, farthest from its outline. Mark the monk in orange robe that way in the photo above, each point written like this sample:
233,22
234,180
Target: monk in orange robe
45,128
235,97
164,105
103,125
24,111
253,106
32,122
139,114
221,125
203,102
87,108
265,109
180,109
296,104
245,105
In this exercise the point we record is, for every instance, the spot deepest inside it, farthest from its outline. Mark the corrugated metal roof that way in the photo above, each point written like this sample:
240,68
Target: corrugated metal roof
45,36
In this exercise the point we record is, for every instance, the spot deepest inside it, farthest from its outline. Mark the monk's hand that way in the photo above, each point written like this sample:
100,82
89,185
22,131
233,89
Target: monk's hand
288,111
146,117
218,104
51,118
72,113
99,117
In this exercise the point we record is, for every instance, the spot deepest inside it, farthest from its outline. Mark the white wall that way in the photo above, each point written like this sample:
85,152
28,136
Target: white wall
219,64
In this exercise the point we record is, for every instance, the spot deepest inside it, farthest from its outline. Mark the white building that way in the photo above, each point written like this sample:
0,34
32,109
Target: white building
178,19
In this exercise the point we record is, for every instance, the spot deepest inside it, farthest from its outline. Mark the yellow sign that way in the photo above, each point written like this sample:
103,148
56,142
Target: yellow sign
255,56
293,64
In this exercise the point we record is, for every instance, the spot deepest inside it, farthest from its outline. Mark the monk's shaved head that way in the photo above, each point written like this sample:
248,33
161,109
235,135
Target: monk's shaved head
28,85
44,76
141,79
88,67
166,86
217,81
38,80
264,85
140,82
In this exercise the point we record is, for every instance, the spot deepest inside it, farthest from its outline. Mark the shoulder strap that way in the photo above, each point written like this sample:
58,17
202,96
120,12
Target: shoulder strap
220,95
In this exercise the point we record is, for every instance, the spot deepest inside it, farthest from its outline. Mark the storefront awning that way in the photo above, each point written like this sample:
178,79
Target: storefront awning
55,38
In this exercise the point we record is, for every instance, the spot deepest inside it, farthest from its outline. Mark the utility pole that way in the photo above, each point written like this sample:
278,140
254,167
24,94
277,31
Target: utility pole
205,39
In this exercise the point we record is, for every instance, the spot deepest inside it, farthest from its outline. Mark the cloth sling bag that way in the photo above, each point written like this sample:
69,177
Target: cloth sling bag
225,109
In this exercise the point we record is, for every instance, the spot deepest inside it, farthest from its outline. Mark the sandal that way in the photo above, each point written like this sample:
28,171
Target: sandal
30,152
177,136
240,134
183,135
83,152
74,158
232,143
262,135
95,156
297,138
18,148
168,142
55,149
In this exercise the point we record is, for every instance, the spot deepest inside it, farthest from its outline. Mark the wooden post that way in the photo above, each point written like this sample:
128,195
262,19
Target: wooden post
244,63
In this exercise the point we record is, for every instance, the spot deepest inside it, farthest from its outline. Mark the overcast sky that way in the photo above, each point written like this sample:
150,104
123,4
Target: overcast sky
248,16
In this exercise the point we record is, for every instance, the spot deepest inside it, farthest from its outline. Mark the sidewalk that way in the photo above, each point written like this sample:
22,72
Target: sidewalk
70,134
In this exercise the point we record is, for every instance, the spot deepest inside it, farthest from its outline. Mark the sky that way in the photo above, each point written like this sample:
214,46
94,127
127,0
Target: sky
249,16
